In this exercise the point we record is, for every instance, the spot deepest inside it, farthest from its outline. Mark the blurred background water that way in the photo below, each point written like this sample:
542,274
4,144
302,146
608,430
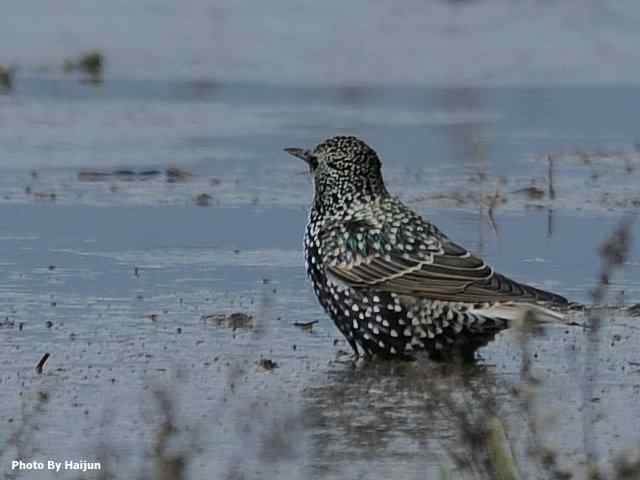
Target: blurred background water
135,203
418,42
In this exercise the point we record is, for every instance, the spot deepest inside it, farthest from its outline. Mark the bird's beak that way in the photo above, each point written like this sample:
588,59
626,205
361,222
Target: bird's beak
299,152
308,157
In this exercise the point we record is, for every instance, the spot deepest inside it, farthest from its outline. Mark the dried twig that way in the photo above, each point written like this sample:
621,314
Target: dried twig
41,363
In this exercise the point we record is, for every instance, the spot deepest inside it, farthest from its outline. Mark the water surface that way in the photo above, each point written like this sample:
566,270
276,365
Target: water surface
111,263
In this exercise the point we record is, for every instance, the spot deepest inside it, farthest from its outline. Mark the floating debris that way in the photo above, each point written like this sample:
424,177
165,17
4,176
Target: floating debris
44,196
175,174
214,182
41,363
90,63
7,323
6,78
203,200
266,365
152,316
92,176
234,320
120,174
306,326
532,192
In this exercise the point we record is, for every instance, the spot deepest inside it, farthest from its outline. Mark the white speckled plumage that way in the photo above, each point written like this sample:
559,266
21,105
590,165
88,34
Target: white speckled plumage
389,279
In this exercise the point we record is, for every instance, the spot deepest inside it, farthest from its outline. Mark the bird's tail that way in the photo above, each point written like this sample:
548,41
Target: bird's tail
518,313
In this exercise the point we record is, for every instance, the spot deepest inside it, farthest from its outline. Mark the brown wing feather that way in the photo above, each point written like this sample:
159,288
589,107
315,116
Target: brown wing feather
449,272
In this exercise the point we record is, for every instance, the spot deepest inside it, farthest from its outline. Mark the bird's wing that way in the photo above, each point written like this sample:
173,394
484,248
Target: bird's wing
393,249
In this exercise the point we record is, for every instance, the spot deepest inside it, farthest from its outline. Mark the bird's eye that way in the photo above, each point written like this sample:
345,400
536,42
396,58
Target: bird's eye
339,165
312,160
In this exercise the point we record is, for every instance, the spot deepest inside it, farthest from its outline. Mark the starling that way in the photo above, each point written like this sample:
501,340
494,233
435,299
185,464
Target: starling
391,281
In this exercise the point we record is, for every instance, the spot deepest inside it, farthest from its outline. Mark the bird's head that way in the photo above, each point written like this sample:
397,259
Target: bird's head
345,169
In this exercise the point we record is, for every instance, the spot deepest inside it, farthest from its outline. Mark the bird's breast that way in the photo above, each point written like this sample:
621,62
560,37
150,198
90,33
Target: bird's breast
313,251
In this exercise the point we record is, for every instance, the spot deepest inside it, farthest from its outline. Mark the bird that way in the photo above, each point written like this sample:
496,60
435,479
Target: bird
392,282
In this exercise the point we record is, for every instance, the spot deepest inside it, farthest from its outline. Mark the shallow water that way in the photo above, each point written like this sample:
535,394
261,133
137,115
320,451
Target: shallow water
111,264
